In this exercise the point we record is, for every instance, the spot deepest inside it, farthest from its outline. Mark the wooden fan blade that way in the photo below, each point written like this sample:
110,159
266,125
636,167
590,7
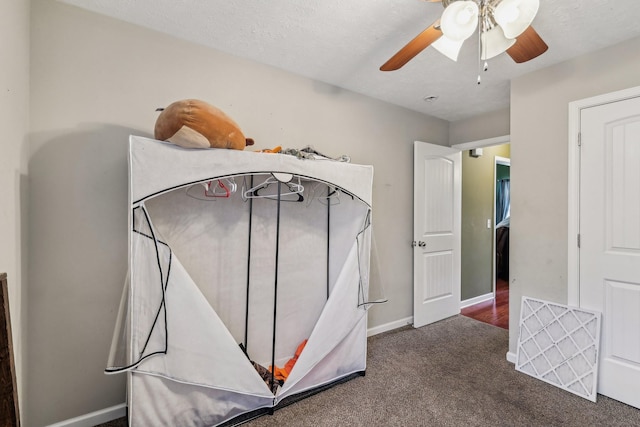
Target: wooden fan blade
528,45
414,47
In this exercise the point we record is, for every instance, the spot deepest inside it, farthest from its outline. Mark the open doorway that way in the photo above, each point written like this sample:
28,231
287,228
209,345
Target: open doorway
485,234
502,221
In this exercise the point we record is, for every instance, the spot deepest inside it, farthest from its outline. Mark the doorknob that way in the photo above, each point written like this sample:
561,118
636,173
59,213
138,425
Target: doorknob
422,244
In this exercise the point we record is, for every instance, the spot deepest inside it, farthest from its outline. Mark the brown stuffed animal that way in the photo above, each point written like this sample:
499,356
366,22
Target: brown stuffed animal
191,123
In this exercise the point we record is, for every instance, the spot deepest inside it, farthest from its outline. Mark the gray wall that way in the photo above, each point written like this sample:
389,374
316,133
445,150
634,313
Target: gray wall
14,114
477,207
539,159
483,126
95,81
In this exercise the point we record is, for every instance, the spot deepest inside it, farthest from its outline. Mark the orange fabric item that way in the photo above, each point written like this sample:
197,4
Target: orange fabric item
283,373
270,150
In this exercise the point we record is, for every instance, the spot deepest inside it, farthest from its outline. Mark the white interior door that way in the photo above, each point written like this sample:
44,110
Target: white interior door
610,240
437,190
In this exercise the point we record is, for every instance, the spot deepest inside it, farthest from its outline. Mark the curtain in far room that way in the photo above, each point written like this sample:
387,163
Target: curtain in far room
503,202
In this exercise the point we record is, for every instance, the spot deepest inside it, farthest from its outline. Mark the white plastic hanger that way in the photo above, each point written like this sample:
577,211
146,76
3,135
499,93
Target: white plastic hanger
293,188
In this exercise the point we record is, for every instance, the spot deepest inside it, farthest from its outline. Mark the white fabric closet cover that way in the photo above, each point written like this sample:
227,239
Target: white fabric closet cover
203,377
154,162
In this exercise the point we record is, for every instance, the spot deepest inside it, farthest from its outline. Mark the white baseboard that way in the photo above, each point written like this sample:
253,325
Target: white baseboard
390,326
476,300
95,418
511,357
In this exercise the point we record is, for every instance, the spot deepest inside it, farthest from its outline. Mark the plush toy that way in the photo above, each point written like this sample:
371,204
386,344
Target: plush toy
191,123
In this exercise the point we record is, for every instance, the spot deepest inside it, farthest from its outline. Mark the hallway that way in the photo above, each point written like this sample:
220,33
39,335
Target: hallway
494,312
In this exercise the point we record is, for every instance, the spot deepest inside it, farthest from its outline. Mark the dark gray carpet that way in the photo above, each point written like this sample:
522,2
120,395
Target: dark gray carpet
451,373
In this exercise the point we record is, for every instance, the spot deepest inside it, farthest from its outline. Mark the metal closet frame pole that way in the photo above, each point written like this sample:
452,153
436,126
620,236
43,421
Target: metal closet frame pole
275,289
328,235
246,310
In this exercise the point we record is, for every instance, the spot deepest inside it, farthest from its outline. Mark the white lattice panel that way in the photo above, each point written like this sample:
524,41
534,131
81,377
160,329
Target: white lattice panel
560,345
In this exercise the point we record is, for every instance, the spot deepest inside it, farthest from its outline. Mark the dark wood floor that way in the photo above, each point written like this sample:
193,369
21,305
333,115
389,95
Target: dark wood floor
494,312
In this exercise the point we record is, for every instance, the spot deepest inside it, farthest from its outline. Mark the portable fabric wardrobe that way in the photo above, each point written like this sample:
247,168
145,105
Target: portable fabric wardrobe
217,282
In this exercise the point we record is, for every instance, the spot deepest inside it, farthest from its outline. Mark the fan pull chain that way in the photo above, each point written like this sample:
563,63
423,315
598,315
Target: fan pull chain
482,25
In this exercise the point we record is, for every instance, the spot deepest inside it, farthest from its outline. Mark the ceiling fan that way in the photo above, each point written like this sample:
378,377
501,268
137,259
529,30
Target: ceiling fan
502,25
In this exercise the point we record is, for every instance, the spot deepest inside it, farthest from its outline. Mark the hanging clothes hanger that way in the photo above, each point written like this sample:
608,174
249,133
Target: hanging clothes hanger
231,183
324,193
224,187
213,189
217,189
293,188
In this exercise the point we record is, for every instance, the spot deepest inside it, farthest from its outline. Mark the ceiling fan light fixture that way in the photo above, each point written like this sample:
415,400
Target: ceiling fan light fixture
502,25
447,47
515,16
494,43
459,20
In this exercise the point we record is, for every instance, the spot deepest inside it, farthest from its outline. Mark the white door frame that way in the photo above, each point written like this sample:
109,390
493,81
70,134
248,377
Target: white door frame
482,143
573,256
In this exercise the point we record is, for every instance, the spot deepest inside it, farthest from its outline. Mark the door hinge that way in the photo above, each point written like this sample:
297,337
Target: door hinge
578,240
579,139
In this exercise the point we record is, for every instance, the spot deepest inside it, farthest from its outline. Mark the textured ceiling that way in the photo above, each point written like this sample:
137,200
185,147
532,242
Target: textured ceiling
344,42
